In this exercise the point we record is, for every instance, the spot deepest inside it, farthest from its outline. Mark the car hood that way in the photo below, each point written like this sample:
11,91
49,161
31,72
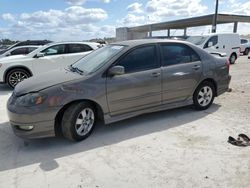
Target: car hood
46,80
7,59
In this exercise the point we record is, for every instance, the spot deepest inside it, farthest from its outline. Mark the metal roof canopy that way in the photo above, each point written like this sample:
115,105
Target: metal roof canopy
191,22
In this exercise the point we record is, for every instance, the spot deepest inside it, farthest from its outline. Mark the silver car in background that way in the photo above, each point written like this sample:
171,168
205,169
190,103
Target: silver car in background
116,82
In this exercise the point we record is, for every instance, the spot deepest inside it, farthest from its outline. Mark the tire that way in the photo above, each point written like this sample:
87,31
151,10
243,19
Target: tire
246,51
203,102
78,121
232,59
16,76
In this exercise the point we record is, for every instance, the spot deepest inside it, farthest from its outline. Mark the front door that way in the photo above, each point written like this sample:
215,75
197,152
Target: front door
53,59
181,72
140,86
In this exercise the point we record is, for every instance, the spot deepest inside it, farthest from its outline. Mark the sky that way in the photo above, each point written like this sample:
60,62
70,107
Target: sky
61,20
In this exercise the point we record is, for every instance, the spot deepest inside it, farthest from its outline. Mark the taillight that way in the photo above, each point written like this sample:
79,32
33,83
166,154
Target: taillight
228,64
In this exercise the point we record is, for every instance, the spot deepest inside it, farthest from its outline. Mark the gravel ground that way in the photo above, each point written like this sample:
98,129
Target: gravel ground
174,148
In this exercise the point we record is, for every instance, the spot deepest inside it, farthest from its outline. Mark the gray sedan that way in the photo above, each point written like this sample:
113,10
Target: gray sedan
116,82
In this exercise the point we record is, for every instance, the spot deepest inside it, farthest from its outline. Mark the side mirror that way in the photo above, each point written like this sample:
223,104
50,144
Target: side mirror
210,44
116,70
40,55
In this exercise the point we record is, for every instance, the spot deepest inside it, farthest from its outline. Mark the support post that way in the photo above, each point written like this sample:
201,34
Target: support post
235,27
150,31
168,32
185,32
214,24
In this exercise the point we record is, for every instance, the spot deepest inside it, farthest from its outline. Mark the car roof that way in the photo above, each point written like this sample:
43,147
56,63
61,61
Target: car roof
72,42
27,46
132,43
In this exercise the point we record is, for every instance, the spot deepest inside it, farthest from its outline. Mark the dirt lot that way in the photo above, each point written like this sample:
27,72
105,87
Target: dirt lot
175,148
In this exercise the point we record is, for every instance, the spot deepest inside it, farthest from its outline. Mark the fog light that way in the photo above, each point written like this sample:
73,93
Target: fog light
26,127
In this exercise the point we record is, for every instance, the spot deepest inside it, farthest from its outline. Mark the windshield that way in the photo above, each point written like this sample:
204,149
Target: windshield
197,40
95,60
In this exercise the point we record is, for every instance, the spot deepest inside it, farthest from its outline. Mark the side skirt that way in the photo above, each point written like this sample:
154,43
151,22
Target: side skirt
111,119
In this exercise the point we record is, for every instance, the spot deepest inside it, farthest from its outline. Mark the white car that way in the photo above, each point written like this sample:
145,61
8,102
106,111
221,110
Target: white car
244,46
20,50
228,43
14,69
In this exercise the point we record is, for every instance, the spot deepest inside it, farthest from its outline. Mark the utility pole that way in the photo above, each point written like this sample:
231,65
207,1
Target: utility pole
214,25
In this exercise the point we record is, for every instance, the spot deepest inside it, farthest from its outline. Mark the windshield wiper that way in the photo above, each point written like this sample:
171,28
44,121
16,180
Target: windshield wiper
75,69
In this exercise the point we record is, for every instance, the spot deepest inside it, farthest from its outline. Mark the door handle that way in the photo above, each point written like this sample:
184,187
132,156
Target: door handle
196,67
156,74
217,47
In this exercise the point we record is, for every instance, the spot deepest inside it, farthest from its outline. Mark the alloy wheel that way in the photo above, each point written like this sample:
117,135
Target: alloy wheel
17,77
84,121
205,96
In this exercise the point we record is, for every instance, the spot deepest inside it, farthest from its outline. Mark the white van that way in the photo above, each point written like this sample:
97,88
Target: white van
228,43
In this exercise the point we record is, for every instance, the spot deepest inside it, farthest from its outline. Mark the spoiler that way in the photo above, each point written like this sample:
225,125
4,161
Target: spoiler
219,54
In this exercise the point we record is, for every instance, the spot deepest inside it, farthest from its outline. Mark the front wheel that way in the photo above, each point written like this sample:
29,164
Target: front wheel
15,76
204,96
78,121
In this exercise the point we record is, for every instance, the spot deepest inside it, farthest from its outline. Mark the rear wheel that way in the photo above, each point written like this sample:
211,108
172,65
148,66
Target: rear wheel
16,76
204,95
232,59
78,121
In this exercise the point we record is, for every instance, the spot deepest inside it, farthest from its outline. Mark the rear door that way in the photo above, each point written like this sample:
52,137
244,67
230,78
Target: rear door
140,86
181,71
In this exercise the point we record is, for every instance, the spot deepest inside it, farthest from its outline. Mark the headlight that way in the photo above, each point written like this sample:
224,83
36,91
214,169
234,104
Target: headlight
31,99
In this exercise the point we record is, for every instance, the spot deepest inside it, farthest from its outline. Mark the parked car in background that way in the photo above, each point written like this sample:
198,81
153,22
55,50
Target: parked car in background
116,82
27,43
4,47
48,57
244,46
228,43
20,50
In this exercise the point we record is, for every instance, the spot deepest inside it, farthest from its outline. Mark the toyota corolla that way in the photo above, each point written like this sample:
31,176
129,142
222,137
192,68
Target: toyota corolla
116,82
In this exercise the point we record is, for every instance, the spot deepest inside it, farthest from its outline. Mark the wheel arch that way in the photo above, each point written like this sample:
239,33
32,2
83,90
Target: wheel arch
16,67
59,115
211,80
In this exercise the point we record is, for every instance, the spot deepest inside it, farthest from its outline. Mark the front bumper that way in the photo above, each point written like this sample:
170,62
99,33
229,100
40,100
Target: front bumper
42,119
41,129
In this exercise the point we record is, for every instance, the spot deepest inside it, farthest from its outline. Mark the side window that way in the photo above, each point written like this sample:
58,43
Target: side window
243,41
31,49
77,48
139,59
173,54
213,39
55,50
87,48
19,51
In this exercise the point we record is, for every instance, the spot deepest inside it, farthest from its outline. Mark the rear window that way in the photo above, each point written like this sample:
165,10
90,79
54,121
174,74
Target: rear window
173,54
